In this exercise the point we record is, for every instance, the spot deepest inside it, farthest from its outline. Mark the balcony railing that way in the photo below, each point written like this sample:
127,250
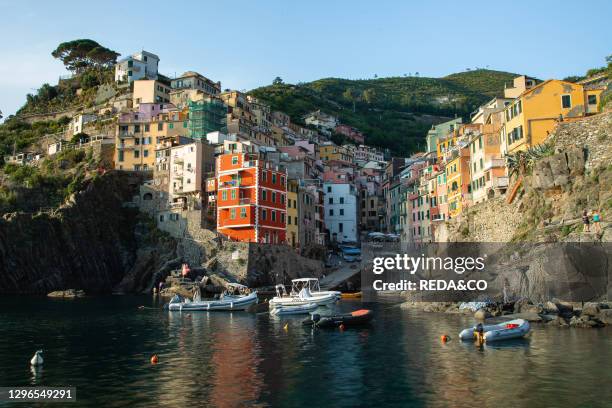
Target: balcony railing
245,201
494,163
499,182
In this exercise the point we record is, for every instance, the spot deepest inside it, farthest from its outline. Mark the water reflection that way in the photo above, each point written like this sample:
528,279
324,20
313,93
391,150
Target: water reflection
102,346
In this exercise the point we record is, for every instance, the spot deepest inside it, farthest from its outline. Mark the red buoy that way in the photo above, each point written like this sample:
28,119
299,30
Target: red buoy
154,359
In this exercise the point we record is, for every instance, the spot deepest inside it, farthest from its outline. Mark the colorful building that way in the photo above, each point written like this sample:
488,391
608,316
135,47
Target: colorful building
530,118
251,196
457,180
137,134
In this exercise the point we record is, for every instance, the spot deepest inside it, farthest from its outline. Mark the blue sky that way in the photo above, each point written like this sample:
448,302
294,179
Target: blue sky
245,44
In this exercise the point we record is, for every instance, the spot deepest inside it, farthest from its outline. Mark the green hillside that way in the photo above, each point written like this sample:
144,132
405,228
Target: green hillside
393,112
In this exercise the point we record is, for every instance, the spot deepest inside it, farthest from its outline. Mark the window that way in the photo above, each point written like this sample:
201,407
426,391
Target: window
566,101
233,195
264,195
273,216
330,200
329,189
265,175
136,128
145,153
273,197
160,126
288,219
224,195
480,142
233,213
341,200
282,180
342,211
331,212
264,214
592,99
146,127
340,227
283,218
120,155
234,160
161,218
481,164
243,212
273,178
136,154
184,123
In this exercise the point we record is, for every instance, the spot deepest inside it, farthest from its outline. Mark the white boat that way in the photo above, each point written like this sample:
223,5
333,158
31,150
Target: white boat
512,329
301,298
313,286
293,309
227,301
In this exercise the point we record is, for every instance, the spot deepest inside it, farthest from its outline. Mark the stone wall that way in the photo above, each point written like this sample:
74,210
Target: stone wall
593,134
489,221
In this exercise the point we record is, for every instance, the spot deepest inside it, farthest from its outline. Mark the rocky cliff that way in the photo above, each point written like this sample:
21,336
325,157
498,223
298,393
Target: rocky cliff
577,175
94,242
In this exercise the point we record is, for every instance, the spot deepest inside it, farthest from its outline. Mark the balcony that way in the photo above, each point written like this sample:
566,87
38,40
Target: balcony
245,201
499,182
250,163
125,147
494,163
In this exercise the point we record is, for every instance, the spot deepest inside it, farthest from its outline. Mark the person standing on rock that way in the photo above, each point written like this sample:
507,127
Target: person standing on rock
597,221
585,221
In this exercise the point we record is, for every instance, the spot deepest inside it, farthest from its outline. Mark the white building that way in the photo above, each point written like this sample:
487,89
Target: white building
324,122
217,137
140,65
341,211
77,122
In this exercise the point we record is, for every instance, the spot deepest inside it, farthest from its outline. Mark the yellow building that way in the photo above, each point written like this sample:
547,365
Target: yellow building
329,151
458,180
293,235
150,91
530,118
138,134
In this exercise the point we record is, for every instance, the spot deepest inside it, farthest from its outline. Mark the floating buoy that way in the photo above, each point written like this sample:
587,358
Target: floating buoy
286,326
154,359
341,327
37,359
141,307
444,338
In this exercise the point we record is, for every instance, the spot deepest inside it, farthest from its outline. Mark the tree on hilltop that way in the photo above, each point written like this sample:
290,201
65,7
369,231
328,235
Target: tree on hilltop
78,55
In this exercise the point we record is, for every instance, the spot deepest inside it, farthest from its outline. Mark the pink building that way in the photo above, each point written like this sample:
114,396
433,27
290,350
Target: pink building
350,133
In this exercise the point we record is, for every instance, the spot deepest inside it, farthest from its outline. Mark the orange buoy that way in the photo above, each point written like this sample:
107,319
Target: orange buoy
341,327
444,338
154,359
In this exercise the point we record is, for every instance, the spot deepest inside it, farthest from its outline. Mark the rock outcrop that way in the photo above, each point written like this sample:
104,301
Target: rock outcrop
93,243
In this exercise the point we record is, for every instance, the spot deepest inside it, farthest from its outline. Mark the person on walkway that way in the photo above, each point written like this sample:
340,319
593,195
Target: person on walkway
597,221
585,221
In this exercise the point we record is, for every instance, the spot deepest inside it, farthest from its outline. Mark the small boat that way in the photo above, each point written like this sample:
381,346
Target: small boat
512,329
228,301
356,318
293,310
313,286
351,295
301,295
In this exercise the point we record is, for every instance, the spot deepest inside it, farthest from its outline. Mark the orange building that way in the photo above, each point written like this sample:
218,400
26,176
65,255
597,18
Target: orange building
251,196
